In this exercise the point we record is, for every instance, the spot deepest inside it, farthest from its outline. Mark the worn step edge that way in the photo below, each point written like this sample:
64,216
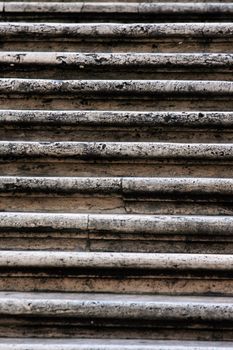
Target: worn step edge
115,223
117,150
109,344
116,87
109,60
156,187
137,261
121,307
116,8
112,31
194,119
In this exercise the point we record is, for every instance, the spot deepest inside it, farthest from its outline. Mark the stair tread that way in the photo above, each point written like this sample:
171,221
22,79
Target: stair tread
205,60
117,7
200,119
105,344
117,150
121,185
100,260
119,306
114,30
134,223
116,87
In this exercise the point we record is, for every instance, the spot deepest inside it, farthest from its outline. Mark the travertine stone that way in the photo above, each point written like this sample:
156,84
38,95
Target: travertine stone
117,150
196,119
38,7
117,31
129,307
116,87
149,60
205,189
119,223
139,261
114,7
109,344
62,184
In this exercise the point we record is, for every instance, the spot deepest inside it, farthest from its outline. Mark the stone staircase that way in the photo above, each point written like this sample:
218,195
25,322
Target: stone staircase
116,186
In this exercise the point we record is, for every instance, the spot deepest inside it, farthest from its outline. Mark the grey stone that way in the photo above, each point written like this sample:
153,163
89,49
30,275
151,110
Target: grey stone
117,150
213,263
116,223
109,344
205,189
116,31
116,87
201,119
47,59
107,306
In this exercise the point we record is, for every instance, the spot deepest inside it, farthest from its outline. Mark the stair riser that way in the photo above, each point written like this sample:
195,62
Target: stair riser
116,242
111,205
160,285
111,103
175,45
25,328
31,167
115,73
54,328
98,132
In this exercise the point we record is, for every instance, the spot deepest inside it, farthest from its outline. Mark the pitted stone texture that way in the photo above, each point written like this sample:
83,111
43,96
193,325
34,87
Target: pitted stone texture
209,60
117,31
116,87
196,119
114,7
149,60
119,223
205,189
61,184
117,150
129,307
197,263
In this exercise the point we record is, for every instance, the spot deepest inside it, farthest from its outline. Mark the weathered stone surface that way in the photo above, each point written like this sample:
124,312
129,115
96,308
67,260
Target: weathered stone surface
117,31
94,260
204,189
117,150
201,119
108,344
116,87
116,7
115,10
117,253
151,224
131,307
103,60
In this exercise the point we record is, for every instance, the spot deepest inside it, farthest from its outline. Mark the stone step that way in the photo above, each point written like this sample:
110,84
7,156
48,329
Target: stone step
173,274
74,314
109,344
194,126
74,65
117,37
139,188
208,196
145,159
118,94
116,11
117,150
116,232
